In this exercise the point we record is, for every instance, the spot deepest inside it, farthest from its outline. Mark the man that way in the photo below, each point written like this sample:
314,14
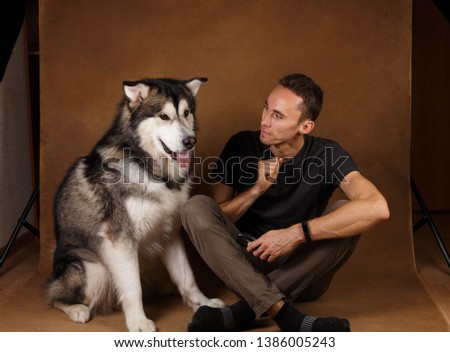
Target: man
275,185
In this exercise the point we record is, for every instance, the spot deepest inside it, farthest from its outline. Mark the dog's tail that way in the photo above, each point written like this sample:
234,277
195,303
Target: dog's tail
69,284
68,281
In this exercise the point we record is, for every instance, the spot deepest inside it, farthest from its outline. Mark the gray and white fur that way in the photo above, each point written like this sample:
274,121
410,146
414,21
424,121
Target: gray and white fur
117,210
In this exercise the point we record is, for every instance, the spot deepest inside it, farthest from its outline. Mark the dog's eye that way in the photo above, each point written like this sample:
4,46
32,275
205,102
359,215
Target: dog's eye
164,117
186,113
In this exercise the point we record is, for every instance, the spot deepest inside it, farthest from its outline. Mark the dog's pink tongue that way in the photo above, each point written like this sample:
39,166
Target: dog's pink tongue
183,159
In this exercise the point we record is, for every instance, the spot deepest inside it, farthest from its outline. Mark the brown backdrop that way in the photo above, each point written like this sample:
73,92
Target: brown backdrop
358,51
431,105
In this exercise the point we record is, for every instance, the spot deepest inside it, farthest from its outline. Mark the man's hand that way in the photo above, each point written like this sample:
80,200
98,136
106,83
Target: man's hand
267,173
276,243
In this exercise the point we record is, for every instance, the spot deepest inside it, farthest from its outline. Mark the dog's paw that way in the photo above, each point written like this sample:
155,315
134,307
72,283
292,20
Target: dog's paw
79,313
215,303
142,325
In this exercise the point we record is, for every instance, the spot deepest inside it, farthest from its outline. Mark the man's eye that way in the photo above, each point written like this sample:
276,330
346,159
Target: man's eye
186,113
164,117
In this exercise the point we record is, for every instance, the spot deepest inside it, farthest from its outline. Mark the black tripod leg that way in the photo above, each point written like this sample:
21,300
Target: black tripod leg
21,222
429,220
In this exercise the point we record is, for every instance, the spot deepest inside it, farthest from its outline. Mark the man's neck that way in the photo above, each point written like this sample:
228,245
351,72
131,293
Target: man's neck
288,149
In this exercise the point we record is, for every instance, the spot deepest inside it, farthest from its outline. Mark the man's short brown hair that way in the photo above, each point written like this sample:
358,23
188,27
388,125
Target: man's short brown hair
309,91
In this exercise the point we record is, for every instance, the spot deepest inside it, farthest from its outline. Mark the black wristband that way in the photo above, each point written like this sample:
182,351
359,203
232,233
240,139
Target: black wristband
305,228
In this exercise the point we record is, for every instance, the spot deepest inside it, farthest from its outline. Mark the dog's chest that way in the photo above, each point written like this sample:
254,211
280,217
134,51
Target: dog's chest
156,213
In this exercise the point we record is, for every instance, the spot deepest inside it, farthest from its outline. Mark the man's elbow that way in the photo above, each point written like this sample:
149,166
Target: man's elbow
382,210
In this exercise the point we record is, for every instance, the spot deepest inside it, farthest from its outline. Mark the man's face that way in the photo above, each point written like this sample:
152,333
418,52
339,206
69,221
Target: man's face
280,117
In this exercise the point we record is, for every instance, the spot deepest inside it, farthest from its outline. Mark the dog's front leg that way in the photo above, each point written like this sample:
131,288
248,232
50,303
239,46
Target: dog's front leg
121,258
175,260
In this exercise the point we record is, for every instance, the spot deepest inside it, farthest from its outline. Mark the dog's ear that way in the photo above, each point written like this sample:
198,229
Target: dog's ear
135,91
194,84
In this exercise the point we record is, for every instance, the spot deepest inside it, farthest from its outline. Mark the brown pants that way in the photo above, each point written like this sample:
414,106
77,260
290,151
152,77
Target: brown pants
304,275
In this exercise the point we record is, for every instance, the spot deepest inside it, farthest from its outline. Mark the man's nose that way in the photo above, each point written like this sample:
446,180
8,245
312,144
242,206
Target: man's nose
265,118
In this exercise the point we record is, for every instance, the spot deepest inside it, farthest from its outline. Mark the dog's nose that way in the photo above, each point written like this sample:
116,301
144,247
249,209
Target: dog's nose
189,142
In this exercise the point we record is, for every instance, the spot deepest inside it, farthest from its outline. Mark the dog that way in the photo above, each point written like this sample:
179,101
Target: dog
116,212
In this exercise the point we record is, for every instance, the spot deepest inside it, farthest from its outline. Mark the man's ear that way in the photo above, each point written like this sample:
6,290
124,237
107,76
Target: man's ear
306,126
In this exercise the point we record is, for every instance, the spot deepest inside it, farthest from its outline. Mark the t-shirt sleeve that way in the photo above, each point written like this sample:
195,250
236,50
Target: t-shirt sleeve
338,164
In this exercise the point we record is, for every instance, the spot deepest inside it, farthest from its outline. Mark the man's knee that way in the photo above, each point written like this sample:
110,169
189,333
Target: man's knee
196,205
195,210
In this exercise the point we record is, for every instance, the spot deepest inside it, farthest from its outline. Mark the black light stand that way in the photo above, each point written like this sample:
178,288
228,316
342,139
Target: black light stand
428,219
21,222
12,15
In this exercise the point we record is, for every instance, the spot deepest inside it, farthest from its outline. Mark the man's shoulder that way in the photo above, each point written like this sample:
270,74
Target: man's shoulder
320,140
319,143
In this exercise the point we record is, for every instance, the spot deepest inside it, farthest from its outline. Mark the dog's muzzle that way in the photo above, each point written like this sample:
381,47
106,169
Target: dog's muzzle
189,142
182,158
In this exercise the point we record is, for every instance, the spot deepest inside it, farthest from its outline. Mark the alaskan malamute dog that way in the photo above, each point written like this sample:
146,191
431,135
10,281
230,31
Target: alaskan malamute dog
117,210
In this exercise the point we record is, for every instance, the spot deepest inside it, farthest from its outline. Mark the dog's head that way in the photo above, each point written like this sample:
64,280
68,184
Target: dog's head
162,116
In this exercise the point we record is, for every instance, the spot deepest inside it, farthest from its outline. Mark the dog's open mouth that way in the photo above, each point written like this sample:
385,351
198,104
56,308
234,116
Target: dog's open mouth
183,158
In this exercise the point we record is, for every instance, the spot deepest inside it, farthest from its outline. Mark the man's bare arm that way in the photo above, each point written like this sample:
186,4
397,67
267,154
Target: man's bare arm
234,206
365,208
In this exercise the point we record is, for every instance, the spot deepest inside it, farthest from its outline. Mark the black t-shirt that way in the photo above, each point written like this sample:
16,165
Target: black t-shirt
303,186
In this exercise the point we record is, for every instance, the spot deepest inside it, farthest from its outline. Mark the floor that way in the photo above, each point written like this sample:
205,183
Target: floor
432,267
21,282
19,267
